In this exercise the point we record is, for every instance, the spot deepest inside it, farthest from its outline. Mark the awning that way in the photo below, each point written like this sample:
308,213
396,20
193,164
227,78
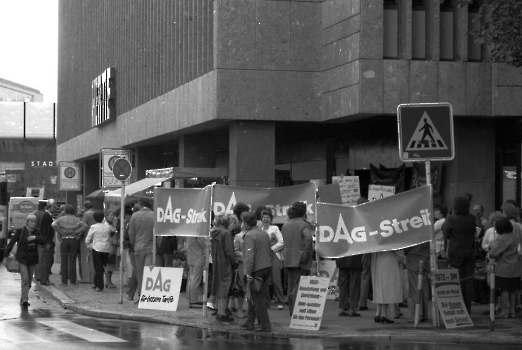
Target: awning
136,189
185,173
98,194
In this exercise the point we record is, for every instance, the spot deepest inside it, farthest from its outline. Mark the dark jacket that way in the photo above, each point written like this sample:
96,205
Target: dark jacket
350,262
222,261
27,252
298,251
257,252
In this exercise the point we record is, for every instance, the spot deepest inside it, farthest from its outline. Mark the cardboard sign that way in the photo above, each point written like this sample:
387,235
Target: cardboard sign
309,304
350,188
380,191
160,288
328,269
391,223
449,299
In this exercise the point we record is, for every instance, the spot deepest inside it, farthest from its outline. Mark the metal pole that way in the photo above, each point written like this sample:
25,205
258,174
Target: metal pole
207,255
433,258
419,295
122,230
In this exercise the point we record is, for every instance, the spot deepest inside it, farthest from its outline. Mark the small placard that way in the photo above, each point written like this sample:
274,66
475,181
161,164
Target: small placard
309,304
160,288
449,299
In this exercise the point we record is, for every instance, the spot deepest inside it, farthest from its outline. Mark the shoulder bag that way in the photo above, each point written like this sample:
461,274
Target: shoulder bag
11,264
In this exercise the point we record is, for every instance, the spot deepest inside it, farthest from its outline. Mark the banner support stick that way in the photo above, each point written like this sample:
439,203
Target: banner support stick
122,230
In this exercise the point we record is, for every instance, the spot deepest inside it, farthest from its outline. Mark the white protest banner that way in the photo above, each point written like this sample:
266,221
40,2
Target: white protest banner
160,288
182,211
278,199
449,299
380,191
394,222
350,188
328,269
309,304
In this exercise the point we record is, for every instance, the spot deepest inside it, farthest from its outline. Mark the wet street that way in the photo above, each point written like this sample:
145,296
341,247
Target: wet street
45,325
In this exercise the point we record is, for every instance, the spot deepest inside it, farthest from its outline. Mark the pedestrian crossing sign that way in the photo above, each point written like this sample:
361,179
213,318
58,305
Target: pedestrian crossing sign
425,132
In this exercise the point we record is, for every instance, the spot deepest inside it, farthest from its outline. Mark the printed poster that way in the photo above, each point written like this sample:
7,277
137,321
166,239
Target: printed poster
380,191
350,188
449,299
160,288
309,304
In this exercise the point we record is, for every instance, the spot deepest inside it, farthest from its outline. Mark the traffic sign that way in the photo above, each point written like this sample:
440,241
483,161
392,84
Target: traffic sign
108,156
70,176
425,132
122,169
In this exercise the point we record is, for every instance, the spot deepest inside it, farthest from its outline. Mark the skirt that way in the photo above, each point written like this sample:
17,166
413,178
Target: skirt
510,284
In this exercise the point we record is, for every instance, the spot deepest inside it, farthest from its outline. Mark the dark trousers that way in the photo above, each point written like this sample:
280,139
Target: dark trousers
99,260
349,283
68,251
257,304
293,275
46,262
133,282
466,267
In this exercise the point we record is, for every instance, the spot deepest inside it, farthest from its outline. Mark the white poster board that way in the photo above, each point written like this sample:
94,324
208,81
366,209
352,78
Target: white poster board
309,304
160,288
449,299
380,191
350,188
328,269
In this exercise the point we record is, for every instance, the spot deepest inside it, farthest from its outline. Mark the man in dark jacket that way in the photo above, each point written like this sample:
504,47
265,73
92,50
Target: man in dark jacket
298,252
257,268
45,253
350,268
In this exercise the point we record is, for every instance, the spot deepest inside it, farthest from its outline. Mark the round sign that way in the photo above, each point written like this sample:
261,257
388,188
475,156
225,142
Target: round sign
69,172
122,169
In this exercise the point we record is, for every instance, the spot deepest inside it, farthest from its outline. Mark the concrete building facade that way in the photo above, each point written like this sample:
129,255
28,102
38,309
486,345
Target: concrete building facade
281,92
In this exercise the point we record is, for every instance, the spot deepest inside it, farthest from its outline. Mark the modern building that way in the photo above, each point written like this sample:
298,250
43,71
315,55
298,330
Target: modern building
27,142
281,92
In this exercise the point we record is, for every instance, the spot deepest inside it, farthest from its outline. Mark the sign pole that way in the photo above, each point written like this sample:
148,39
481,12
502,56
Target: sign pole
122,231
433,259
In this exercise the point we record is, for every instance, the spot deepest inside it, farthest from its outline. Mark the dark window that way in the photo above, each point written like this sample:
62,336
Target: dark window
391,29
418,41
447,30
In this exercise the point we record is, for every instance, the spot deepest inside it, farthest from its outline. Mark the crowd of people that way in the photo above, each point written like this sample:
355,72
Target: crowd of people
255,261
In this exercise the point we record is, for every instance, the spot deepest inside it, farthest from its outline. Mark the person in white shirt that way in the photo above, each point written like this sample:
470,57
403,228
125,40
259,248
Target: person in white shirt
439,212
276,244
491,235
98,240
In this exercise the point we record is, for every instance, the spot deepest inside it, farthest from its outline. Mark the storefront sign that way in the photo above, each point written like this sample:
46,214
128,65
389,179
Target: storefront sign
395,222
160,288
103,91
350,188
278,199
309,304
42,163
182,211
449,299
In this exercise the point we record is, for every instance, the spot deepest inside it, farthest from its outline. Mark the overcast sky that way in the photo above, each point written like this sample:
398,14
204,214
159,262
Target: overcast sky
29,39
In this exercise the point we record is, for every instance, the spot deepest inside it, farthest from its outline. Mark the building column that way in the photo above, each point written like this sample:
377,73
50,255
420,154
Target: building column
433,30
405,20
461,31
251,154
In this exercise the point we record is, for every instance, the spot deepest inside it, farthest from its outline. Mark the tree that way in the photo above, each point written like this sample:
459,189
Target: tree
500,29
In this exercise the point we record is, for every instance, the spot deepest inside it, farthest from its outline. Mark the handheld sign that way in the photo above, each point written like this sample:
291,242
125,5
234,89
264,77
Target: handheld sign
160,288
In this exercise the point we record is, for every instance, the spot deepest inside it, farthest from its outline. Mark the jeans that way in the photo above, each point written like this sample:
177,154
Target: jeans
68,251
143,258
257,304
26,274
276,279
293,276
194,292
349,288
99,260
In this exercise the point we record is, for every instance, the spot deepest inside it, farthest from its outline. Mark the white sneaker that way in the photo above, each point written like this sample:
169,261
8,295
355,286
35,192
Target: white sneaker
280,307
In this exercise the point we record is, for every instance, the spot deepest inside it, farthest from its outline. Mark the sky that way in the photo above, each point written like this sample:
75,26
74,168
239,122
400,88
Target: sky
29,54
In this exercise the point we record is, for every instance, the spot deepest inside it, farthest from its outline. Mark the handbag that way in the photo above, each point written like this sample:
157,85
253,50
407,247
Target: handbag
236,288
11,264
111,259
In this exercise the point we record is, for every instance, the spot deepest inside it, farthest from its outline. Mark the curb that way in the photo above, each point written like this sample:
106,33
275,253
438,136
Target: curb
451,338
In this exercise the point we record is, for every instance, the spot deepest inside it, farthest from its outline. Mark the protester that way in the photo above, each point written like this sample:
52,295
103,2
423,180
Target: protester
98,240
276,246
69,229
459,234
237,293
491,234
507,272
196,259
349,282
512,213
222,265
440,211
165,247
257,269
45,253
85,257
239,244
132,283
298,252
113,222
141,236
27,239
366,277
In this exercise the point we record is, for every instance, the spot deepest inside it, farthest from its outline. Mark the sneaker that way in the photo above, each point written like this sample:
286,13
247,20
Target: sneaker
280,307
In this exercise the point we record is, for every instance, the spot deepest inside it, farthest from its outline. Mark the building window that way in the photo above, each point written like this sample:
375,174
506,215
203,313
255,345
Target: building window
418,40
474,48
447,29
391,29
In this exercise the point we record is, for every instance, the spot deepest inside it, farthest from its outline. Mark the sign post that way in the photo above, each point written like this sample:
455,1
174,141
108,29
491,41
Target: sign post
426,134
122,170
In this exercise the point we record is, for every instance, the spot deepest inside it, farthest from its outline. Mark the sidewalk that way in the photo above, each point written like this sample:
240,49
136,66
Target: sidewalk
82,299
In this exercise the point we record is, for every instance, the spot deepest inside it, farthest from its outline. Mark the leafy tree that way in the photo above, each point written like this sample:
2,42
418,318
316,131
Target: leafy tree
501,29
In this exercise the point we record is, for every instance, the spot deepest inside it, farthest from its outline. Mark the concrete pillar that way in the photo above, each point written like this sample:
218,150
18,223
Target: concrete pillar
252,154
461,31
433,30
405,25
